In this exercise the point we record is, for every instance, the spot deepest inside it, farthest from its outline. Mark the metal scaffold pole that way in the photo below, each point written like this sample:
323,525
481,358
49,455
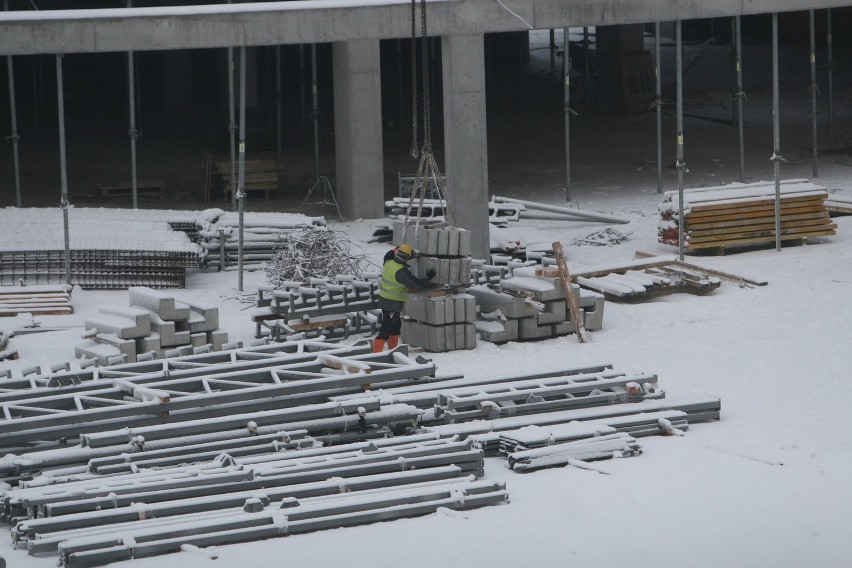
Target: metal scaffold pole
658,103
566,87
232,131
241,192
740,95
63,169
680,165
814,91
830,63
587,75
14,136
776,134
134,134
278,109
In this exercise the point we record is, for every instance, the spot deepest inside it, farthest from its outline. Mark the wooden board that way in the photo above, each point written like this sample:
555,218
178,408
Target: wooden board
748,222
760,240
693,235
754,202
576,315
754,214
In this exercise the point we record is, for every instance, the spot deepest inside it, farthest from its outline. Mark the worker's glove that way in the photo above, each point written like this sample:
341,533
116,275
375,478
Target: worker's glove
430,274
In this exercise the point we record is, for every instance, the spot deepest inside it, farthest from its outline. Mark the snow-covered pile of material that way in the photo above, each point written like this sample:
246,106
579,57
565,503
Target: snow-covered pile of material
154,325
744,214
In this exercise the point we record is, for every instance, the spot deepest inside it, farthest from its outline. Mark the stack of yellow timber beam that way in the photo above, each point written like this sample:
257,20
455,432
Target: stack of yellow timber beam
38,300
260,175
744,214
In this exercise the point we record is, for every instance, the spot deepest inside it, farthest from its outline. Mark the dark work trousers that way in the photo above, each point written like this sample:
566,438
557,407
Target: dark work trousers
391,325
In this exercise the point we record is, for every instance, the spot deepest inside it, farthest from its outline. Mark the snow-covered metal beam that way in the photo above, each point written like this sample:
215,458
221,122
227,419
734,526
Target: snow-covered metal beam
312,21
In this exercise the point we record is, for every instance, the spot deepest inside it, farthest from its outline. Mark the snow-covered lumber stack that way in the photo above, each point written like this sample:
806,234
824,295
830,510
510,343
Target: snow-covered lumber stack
839,202
645,278
153,325
439,320
38,300
744,214
219,236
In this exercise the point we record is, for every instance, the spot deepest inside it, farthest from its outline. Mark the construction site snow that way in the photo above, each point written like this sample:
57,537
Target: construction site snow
766,486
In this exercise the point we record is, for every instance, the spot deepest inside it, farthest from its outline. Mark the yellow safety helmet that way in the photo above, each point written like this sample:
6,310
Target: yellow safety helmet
405,249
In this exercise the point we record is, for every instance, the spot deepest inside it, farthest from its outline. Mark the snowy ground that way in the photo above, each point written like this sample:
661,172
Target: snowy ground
768,485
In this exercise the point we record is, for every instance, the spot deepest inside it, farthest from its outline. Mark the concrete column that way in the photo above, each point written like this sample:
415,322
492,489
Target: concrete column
620,64
465,136
358,129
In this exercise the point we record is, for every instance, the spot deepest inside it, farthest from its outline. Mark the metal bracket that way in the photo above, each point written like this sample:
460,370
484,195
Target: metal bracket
778,158
739,95
681,166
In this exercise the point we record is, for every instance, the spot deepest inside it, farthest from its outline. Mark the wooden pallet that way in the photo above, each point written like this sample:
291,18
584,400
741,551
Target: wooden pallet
641,280
149,186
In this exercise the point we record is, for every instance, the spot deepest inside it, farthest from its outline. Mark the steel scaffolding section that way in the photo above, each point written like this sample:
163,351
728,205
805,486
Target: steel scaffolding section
599,448
292,517
42,536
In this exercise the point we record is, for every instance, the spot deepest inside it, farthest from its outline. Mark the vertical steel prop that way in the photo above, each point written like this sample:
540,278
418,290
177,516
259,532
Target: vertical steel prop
659,104
279,113
14,136
740,95
566,88
587,74
814,92
830,56
63,170
241,192
680,165
776,134
315,105
133,133
302,85
232,132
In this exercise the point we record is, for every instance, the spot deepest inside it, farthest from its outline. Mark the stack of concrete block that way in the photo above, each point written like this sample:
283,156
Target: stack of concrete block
529,305
439,322
154,324
440,246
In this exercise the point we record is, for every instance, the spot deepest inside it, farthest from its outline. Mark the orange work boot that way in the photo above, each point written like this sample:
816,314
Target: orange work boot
393,341
378,345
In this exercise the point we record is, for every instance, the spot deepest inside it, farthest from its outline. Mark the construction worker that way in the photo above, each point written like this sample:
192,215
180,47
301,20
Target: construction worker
397,281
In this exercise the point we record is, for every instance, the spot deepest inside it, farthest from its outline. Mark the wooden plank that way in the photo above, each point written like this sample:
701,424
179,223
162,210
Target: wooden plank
576,314
760,240
756,202
311,325
36,311
694,234
718,273
748,222
654,263
768,212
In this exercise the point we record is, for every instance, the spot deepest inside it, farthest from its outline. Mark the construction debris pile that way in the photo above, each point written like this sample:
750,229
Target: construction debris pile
744,214
143,459
525,300
153,326
37,300
262,233
604,238
440,318
314,253
115,248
